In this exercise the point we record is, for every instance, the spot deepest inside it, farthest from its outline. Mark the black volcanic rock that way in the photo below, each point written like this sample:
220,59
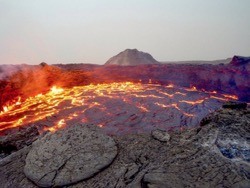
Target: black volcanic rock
235,105
131,57
240,60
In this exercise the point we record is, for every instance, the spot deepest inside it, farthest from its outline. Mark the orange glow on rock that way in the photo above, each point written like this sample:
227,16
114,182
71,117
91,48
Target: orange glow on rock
193,88
170,86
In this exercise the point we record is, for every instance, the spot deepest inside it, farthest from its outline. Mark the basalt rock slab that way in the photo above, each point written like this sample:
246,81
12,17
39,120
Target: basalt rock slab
215,155
160,135
191,158
17,140
231,127
69,156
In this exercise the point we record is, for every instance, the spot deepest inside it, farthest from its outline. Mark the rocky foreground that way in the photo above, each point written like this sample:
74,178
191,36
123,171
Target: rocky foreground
216,154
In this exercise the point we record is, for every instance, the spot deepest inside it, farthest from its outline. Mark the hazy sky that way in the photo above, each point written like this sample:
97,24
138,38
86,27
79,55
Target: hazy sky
91,31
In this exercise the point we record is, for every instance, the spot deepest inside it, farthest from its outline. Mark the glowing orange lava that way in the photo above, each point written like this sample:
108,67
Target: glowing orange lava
193,102
114,104
56,90
193,88
234,97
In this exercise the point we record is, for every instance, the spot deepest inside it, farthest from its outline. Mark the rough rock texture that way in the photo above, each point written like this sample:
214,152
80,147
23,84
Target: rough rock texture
131,57
160,135
69,156
191,158
17,140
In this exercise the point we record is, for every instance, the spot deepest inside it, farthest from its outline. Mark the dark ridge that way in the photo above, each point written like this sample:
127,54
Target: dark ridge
240,60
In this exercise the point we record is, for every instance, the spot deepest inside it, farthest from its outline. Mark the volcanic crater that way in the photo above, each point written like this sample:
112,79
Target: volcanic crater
120,96
133,122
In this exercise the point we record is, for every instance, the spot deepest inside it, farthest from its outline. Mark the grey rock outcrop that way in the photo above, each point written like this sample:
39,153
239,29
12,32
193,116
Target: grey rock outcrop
216,154
131,57
69,156
160,135
17,140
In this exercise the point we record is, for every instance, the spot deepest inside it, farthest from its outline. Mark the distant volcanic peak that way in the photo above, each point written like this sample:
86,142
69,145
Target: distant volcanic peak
131,57
240,60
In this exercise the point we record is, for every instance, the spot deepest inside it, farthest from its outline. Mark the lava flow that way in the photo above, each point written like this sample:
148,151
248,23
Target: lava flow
116,107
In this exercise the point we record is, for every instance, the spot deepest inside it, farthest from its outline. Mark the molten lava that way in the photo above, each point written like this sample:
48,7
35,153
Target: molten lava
116,107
